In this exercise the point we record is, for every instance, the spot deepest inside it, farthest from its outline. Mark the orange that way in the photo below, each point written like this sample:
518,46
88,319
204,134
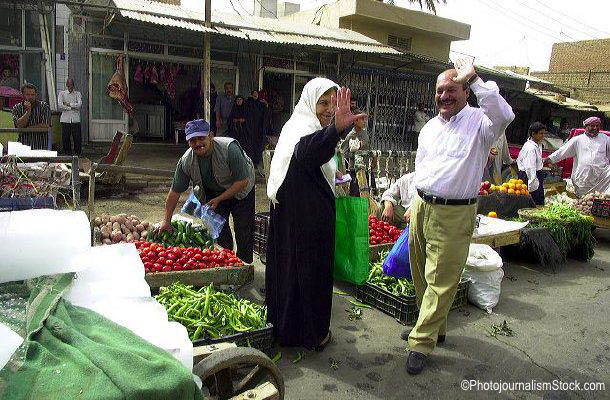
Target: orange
520,182
518,192
492,188
503,189
512,181
505,185
492,214
511,191
511,186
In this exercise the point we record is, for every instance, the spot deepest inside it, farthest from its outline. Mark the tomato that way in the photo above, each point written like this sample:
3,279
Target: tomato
198,257
169,262
206,252
157,266
161,260
162,253
167,268
171,256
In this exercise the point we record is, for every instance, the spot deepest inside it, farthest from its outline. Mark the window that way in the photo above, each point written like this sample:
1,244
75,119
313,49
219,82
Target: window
32,29
102,106
59,39
399,42
33,73
10,26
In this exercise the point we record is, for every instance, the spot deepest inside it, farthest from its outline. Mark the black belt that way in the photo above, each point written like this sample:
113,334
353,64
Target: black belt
447,202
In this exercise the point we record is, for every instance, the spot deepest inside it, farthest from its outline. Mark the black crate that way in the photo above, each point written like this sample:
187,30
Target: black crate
26,203
260,247
601,208
261,224
261,339
404,309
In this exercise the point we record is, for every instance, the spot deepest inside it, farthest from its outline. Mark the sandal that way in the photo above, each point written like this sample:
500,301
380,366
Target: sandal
324,343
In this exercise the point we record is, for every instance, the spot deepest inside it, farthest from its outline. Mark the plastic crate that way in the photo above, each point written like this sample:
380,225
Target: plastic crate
404,309
261,224
601,208
260,247
261,339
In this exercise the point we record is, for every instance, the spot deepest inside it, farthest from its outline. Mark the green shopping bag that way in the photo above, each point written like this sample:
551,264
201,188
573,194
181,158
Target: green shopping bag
352,240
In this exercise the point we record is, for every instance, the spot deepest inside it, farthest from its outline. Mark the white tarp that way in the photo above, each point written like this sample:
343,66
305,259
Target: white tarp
495,226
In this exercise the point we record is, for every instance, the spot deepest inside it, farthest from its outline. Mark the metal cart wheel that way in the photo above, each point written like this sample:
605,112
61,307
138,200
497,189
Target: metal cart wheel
233,371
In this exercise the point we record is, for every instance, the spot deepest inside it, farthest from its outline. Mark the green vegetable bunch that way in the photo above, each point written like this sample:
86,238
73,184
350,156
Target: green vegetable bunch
398,287
207,313
571,230
184,235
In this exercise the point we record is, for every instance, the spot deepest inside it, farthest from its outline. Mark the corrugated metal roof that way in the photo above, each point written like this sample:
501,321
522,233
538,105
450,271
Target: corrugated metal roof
253,28
561,100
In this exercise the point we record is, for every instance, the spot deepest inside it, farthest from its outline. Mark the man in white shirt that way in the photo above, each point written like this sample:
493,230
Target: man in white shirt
396,201
69,103
591,153
453,149
530,163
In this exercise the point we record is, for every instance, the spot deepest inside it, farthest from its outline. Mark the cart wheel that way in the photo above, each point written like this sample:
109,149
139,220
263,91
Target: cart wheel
233,371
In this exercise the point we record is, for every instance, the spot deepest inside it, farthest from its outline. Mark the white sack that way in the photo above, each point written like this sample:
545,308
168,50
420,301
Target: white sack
484,271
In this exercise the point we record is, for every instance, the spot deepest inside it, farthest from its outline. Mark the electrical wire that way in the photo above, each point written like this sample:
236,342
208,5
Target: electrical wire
572,18
554,19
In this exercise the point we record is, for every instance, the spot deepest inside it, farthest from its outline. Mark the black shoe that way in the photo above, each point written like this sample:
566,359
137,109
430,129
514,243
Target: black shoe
415,362
405,336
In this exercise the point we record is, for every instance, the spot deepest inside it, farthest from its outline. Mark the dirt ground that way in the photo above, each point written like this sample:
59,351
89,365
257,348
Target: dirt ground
560,321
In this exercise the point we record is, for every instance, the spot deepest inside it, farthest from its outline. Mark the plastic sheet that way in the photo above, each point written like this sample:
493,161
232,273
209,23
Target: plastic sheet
10,343
42,242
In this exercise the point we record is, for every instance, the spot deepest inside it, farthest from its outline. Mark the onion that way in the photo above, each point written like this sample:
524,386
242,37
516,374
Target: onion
136,235
116,236
146,224
140,227
128,225
112,219
125,230
121,220
144,234
129,238
116,226
97,221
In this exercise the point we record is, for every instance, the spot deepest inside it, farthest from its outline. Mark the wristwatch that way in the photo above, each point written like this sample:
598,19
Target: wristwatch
472,79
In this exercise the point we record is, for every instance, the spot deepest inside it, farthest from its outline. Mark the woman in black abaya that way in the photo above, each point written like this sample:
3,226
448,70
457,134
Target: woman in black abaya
301,242
240,124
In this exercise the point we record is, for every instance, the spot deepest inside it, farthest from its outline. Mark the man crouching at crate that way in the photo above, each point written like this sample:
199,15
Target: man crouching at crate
223,178
452,151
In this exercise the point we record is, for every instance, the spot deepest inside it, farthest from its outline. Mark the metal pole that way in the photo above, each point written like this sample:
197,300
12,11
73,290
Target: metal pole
205,74
91,197
75,184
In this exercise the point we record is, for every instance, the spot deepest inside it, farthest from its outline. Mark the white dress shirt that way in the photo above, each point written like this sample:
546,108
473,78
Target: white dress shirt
401,191
530,161
451,154
591,155
69,114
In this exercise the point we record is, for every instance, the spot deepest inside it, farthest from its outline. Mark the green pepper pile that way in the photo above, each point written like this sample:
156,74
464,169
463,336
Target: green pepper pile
184,235
398,287
207,313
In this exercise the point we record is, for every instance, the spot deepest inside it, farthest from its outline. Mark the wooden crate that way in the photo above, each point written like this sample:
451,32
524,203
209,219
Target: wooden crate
235,276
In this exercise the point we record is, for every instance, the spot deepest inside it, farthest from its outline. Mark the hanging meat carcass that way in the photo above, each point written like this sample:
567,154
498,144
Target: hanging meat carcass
154,76
117,87
138,76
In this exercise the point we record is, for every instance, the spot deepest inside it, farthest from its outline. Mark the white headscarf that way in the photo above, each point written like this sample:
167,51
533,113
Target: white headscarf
302,122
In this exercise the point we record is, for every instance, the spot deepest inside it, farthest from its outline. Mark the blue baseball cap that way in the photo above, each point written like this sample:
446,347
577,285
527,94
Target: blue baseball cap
197,128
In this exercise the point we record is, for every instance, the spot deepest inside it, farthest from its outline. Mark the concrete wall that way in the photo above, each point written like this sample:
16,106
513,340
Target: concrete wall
62,18
580,56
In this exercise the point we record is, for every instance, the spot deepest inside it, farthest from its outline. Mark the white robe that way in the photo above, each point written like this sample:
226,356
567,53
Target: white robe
530,161
591,168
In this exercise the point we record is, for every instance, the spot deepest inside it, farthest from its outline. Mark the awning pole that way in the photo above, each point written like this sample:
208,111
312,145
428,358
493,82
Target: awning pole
205,73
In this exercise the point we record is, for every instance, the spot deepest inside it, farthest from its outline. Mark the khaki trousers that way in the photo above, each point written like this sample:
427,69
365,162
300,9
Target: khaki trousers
439,239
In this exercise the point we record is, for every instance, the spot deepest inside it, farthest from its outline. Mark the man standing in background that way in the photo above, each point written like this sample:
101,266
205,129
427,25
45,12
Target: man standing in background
31,112
69,103
224,105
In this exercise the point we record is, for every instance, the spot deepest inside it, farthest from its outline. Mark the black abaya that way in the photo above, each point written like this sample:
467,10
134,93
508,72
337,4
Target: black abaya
242,131
301,246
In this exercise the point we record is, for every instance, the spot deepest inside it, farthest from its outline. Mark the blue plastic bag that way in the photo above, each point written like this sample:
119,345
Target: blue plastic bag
397,262
211,220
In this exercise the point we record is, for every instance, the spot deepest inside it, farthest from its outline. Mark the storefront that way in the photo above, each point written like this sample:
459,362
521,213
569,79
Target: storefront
21,49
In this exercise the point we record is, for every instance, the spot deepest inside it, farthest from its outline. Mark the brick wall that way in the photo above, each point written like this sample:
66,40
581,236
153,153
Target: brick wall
591,87
580,56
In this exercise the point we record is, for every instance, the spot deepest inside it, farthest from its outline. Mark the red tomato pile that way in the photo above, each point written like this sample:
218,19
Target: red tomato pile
157,258
381,232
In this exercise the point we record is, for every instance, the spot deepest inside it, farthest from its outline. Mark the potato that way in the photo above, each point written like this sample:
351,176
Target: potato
105,233
121,220
125,230
97,221
129,238
123,236
146,224
116,226
136,235
139,227
129,225
116,237
144,234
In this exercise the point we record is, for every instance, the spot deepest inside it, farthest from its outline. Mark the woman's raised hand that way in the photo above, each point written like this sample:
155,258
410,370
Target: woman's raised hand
344,117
